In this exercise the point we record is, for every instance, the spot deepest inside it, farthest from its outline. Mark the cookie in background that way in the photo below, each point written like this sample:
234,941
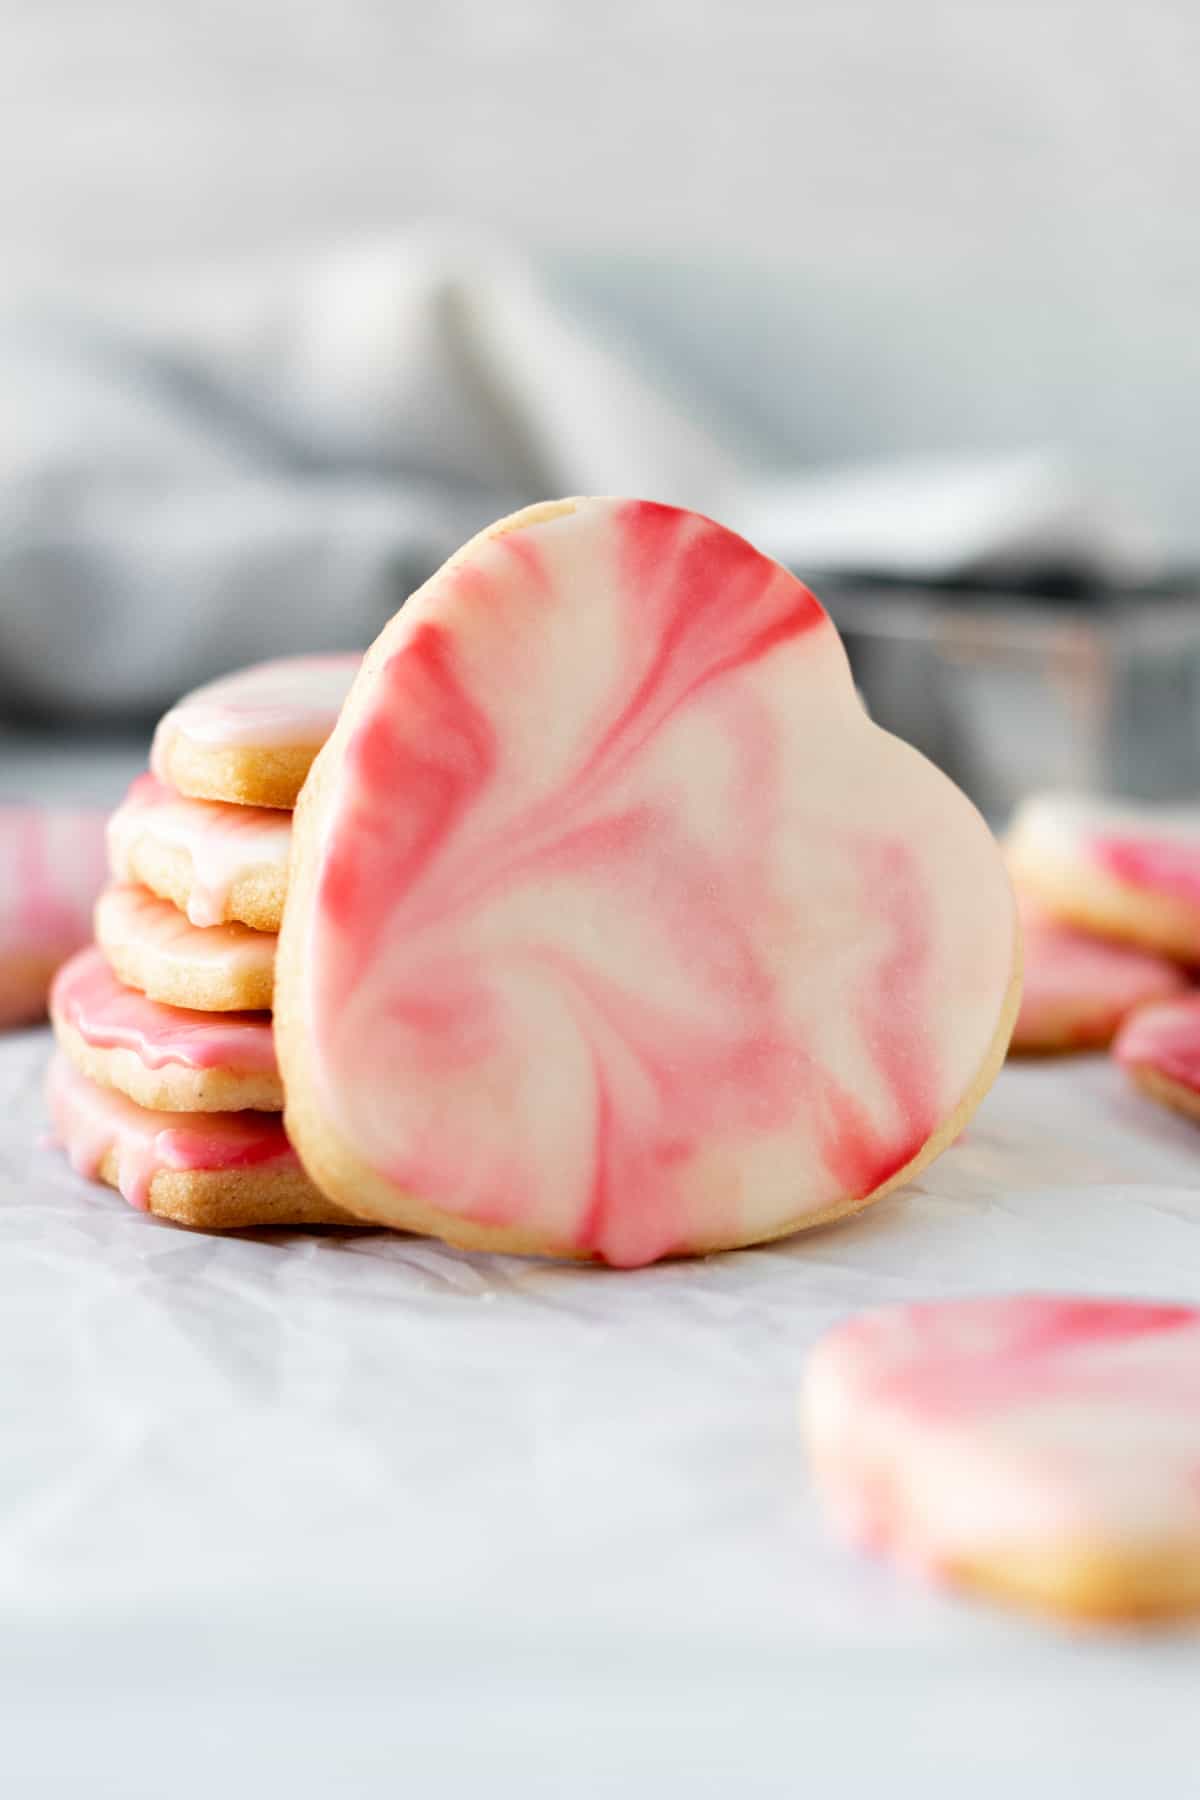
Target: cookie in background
1122,872
1159,1048
1040,1449
1078,988
52,866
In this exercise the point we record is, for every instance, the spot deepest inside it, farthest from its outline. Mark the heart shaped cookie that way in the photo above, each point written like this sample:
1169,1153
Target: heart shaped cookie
615,928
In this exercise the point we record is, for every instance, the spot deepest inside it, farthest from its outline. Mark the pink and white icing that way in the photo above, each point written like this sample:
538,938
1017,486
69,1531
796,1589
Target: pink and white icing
954,1431
91,1121
224,843
1078,988
1153,849
291,703
1165,1039
630,929
107,1015
52,866
131,916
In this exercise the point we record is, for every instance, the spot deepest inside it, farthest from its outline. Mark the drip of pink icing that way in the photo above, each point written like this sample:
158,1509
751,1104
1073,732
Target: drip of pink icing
90,1121
1166,1039
1155,864
109,1016
129,915
223,842
427,860
292,702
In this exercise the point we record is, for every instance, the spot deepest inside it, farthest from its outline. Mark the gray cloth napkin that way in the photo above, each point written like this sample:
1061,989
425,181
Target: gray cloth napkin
198,473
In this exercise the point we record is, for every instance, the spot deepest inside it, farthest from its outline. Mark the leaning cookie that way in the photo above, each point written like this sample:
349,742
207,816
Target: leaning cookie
1159,1048
212,1171
1119,871
1078,988
1042,1450
218,864
149,944
164,1057
615,928
250,738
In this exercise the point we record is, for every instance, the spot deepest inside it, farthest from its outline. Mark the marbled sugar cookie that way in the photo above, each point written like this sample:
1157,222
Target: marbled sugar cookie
1077,988
1159,1047
210,968
1121,871
251,737
213,1171
165,1057
1044,1450
216,863
51,869
616,929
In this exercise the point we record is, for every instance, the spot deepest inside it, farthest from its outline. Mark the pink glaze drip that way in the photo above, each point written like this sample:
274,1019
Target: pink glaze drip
109,1016
90,1122
292,703
1166,1039
128,915
223,843
435,857
1154,864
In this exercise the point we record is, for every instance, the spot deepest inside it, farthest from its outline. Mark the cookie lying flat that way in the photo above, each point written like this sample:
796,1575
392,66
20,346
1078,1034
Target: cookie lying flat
218,864
1160,1049
1078,988
51,869
616,928
214,1171
164,1057
1044,1450
251,737
1124,872
149,944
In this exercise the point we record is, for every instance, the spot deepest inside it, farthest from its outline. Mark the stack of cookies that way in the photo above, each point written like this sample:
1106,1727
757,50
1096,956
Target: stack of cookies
614,929
165,1082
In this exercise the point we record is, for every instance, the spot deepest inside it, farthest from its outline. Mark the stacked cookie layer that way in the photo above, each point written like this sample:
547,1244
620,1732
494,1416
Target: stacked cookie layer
165,1084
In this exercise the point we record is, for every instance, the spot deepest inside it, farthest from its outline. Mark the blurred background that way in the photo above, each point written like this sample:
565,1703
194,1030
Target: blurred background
295,297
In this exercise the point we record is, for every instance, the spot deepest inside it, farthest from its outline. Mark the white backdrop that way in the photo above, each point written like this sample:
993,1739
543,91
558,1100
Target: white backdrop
856,224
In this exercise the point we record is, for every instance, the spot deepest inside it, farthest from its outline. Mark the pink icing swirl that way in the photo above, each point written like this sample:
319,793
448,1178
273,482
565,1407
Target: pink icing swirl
109,1016
572,964
91,1122
964,1428
1156,865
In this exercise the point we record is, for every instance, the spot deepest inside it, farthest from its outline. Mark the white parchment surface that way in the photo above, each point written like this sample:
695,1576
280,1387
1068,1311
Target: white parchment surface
309,1513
